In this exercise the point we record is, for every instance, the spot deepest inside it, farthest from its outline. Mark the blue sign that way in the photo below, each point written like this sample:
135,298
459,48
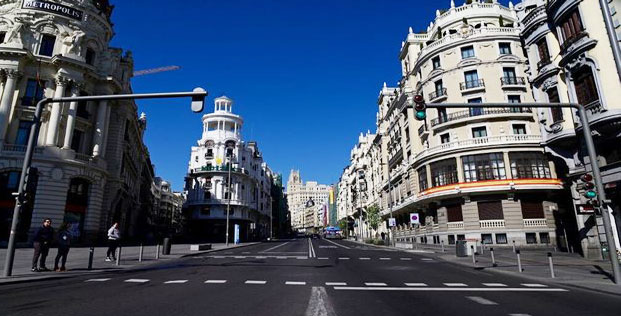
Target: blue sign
236,238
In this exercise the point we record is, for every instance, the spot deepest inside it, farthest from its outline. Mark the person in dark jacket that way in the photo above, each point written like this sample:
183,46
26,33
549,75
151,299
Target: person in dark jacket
64,243
41,243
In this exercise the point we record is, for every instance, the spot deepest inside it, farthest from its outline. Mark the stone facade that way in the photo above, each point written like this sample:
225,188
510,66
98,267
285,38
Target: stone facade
298,194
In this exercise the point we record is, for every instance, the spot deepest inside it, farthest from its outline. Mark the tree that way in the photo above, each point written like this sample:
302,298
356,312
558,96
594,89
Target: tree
343,225
373,216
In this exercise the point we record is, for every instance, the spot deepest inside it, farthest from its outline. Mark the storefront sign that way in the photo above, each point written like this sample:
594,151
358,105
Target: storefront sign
40,5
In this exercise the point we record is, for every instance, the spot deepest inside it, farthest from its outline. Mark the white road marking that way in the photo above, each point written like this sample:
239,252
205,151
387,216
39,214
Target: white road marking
455,284
281,257
319,303
311,249
246,252
519,315
336,283
269,249
329,247
481,300
215,281
295,283
136,280
239,257
336,244
375,284
323,258
261,257
494,284
384,258
415,284
533,285
301,257
449,289
255,282
176,282
426,259
98,280
364,258
406,259
343,258
218,257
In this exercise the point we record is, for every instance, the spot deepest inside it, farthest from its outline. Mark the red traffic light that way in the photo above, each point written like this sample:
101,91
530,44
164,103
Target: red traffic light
419,99
586,177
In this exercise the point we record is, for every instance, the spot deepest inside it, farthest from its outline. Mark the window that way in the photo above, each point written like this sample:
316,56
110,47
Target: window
515,99
479,132
439,89
544,53
585,88
47,45
544,238
422,179
212,126
442,117
505,48
531,208
444,172
23,132
445,138
76,142
436,62
531,238
34,92
553,97
484,167
476,111
490,210
454,213
571,26
2,36
472,79
501,238
407,134
82,110
519,129
461,237
508,76
209,153
467,52
90,56
451,239
529,165
487,239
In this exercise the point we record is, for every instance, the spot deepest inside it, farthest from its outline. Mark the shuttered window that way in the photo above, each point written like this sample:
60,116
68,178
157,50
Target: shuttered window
532,209
490,210
453,213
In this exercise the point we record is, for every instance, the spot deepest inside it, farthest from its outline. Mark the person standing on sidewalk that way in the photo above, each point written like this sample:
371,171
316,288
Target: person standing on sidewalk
41,244
64,243
113,241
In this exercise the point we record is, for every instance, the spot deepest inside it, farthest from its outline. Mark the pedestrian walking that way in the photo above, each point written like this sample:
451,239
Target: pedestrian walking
64,243
113,241
41,244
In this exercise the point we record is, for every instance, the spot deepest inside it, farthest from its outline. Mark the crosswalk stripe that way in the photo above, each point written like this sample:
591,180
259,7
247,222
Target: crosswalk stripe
323,258
455,284
533,285
301,258
415,284
364,258
98,280
136,280
295,283
281,257
261,257
336,283
343,258
384,258
176,282
406,259
239,257
494,284
375,284
215,281
481,300
255,282
426,259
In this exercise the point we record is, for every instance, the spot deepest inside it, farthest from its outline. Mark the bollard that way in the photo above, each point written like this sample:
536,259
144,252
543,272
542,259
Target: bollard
157,252
91,253
118,258
474,260
491,250
551,265
517,252
513,246
442,242
482,247
140,253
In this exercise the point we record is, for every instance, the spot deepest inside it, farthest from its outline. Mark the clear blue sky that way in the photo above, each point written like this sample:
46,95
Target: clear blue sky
304,74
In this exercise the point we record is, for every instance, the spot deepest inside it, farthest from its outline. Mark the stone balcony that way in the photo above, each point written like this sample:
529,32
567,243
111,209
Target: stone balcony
465,115
455,225
492,223
478,143
535,222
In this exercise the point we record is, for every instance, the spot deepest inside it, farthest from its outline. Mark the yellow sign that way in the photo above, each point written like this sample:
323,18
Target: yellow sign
218,161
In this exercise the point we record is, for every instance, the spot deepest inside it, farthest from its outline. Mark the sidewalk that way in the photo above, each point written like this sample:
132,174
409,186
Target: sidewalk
77,261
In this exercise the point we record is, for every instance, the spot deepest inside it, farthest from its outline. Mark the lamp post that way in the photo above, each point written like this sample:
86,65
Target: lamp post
198,102
229,154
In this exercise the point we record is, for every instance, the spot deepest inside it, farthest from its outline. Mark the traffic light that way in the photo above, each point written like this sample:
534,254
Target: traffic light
420,107
589,186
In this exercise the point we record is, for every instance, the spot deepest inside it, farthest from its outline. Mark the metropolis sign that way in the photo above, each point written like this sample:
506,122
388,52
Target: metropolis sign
51,7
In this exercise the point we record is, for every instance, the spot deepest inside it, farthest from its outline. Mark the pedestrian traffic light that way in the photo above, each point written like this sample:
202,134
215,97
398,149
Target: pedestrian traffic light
420,107
589,186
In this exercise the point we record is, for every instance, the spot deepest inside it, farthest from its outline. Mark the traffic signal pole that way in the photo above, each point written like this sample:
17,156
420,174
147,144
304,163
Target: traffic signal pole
588,137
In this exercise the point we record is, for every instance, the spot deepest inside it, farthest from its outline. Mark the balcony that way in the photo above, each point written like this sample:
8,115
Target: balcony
438,94
573,39
14,148
509,82
542,63
455,225
535,222
478,142
479,112
472,85
492,223
220,169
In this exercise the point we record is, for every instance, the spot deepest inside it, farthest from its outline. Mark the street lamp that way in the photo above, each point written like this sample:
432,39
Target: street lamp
229,154
198,102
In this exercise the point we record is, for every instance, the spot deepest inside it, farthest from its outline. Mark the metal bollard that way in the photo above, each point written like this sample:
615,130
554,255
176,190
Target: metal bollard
482,247
118,258
474,260
491,250
91,253
551,265
157,252
514,246
140,253
442,242
517,252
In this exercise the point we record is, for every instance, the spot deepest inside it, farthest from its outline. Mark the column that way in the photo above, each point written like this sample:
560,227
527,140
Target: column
98,137
73,106
52,130
7,101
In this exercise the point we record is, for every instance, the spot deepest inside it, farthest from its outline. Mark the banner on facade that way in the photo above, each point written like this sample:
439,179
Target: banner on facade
51,7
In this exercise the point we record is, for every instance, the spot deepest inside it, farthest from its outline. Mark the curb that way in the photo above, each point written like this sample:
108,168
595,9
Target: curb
216,250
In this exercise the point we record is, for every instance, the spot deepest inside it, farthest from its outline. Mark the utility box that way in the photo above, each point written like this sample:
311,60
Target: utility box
461,248
167,245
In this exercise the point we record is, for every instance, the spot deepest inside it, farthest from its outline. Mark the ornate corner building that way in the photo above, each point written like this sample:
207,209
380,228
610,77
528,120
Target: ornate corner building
91,166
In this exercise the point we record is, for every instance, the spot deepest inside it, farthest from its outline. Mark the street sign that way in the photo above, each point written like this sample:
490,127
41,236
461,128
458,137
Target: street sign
392,222
414,219
585,209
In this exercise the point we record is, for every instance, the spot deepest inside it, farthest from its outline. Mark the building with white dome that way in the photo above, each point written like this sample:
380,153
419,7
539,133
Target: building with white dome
209,195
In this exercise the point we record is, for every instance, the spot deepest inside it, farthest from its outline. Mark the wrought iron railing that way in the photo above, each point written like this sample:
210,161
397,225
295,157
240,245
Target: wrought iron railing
437,94
477,112
512,81
471,84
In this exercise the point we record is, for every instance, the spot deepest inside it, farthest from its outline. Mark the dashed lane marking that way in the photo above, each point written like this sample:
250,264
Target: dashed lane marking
384,258
255,282
519,314
323,258
336,283
261,257
295,283
415,284
426,259
343,258
239,257
364,258
215,281
406,259
302,258
136,280
495,284
281,257
533,285
375,284
218,257
455,284
98,280
481,300
336,244
448,289
176,282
